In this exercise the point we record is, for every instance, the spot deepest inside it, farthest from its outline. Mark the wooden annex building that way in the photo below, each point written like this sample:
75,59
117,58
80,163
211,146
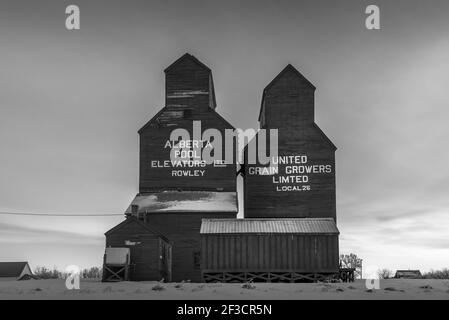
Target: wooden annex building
182,225
266,250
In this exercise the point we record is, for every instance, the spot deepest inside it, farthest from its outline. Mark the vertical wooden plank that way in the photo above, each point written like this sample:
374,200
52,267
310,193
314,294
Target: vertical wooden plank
308,253
229,250
321,252
244,251
255,251
223,252
233,251
271,245
203,252
267,252
289,239
279,252
218,250
213,251
337,250
295,251
238,251
226,251
261,247
284,246
249,250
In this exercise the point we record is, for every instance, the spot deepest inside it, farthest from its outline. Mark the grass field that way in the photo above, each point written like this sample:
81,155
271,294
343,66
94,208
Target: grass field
91,289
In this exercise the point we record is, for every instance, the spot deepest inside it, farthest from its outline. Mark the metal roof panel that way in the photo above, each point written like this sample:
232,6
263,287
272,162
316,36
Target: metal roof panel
292,226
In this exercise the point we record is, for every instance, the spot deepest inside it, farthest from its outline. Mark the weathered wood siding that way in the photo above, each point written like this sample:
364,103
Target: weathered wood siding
288,101
189,82
288,105
152,148
189,97
273,253
146,264
183,230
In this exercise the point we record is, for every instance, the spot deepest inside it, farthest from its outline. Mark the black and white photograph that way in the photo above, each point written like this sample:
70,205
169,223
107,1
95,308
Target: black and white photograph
242,152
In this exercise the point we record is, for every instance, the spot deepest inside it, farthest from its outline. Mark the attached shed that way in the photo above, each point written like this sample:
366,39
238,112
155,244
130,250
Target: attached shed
15,271
150,250
269,250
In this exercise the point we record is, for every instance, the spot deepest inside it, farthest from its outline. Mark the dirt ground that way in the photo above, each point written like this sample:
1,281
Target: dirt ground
89,289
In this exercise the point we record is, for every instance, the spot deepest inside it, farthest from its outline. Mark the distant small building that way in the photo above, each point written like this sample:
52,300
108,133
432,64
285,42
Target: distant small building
10,271
408,274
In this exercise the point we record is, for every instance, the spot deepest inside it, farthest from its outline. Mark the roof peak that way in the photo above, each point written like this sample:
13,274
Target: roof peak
291,68
187,56
288,68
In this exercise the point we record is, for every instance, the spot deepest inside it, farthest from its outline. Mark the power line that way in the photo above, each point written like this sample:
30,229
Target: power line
59,214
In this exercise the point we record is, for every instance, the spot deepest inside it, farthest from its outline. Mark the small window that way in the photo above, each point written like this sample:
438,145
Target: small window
197,260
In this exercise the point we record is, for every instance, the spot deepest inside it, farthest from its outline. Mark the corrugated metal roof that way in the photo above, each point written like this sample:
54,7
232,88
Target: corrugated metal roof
185,201
292,226
11,269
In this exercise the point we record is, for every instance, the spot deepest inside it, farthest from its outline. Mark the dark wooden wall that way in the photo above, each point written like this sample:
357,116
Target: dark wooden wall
288,105
189,97
183,230
288,101
152,142
261,198
189,82
145,254
265,252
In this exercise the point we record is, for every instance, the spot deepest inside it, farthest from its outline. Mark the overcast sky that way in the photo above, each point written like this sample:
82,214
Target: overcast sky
71,103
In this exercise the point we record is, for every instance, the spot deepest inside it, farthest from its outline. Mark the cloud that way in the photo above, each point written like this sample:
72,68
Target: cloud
11,233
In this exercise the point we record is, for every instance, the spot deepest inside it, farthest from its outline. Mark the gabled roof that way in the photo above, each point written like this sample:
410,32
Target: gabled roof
12,269
187,56
288,68
185,201
270,226
140,223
